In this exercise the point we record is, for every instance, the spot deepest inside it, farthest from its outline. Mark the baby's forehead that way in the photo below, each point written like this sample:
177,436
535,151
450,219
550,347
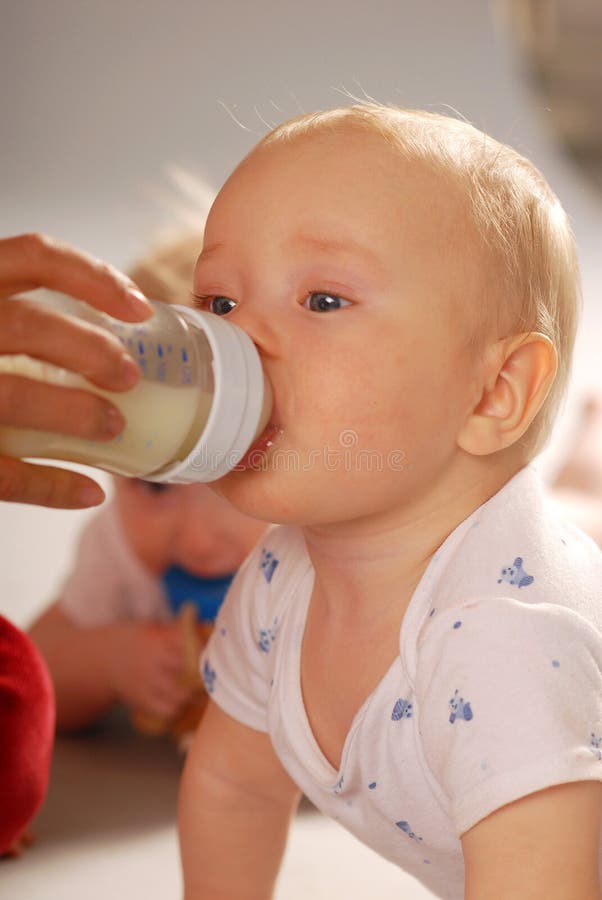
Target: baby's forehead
345,164
360,190
343,179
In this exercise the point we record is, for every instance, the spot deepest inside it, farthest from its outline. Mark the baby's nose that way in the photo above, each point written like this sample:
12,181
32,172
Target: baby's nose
258,327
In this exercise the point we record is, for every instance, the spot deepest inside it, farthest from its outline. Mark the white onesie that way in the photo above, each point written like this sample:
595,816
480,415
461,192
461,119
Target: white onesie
496,692
108,582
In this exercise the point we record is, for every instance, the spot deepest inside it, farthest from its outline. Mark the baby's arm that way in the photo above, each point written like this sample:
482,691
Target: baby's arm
544,845
236,803
135,662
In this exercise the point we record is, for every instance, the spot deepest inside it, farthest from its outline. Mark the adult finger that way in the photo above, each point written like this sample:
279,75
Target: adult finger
26,403
30,261
22,482
44,333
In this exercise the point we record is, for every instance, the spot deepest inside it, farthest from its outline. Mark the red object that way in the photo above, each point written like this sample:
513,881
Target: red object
27,714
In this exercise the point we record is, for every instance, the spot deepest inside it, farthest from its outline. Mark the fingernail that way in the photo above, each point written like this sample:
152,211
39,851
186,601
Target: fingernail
91,495
129,370
138,302
114,423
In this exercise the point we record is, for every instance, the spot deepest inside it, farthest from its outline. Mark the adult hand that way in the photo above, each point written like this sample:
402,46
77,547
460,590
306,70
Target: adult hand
146,667
30,261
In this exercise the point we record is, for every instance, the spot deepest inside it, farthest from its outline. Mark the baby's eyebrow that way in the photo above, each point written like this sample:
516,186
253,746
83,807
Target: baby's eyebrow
208,252
336,245
322,244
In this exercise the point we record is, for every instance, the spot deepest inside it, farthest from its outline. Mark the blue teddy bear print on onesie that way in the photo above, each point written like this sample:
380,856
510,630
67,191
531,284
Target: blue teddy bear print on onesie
405,827
267,636
515,574
402,710
268,564
208,677
460,709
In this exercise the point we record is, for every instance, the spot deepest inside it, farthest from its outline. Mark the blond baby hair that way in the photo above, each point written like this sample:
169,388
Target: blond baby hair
531,277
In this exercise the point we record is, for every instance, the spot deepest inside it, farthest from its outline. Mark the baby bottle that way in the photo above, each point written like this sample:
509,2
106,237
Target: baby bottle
202,400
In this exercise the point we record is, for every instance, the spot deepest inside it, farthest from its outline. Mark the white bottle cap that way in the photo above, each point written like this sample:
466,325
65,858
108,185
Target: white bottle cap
242,393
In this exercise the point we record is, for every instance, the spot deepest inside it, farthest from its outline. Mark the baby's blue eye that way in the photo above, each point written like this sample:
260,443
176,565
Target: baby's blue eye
320,301
221,306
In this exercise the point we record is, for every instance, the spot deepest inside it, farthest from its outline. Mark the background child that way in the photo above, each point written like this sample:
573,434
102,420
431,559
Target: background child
419,647
112,635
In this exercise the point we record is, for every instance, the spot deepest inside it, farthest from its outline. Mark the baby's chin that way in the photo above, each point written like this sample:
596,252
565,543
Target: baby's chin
274,498
249,493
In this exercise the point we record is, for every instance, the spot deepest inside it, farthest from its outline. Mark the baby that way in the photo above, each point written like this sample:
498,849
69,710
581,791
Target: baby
418,646
112,635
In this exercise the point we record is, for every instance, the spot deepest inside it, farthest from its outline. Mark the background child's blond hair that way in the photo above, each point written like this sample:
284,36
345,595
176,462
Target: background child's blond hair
165,273
529,279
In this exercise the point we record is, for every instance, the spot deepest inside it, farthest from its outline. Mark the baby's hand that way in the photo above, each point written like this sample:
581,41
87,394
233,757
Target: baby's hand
146,669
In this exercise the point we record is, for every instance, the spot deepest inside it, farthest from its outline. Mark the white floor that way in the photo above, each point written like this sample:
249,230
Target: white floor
107,831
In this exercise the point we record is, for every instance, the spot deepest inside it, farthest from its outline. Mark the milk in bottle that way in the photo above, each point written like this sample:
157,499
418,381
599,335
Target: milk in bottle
201,402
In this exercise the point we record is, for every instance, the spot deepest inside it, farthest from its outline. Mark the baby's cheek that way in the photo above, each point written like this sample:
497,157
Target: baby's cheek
162,534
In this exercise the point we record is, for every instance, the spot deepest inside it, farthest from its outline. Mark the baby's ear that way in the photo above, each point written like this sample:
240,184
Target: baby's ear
519,372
